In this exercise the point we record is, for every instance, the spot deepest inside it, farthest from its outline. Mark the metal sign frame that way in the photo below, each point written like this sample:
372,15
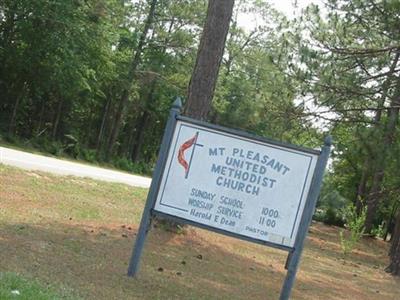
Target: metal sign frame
294,253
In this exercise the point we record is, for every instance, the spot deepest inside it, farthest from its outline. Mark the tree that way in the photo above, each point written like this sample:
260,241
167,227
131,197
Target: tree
352,73
353,70
394,253
65,67
50,52
209,57
129,80
387,142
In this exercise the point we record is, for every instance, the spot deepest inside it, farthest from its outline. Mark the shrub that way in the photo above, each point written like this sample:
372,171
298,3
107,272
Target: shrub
333,217
329,216
124,164
128,165
88,155
330,204
378,231
45,145
72,146
355,226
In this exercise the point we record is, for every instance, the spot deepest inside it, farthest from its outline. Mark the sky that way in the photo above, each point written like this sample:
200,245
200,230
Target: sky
287,6
290,8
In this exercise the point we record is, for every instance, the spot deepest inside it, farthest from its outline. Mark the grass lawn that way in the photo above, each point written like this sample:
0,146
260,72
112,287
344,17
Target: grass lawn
76,235
13,286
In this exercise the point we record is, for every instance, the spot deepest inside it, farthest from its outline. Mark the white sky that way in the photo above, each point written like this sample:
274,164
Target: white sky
290,8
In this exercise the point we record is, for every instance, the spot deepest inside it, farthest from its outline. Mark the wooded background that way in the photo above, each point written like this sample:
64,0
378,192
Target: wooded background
94,79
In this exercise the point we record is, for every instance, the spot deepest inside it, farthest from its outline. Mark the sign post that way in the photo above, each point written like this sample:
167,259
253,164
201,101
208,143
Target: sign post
294,256
146,217
234,183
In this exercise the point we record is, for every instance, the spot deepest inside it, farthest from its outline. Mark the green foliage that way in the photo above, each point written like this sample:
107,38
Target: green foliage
46,145
67,62
355,225
332,217
89,155
378,231
348,56
72,146
127,165
330,203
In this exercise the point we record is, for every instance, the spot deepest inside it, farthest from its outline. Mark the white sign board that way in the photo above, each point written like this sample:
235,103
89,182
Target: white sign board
233,183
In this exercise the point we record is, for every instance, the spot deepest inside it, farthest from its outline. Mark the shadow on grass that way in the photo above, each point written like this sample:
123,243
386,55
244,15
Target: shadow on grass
93,260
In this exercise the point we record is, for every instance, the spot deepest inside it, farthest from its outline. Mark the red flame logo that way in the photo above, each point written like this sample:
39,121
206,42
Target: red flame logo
181,154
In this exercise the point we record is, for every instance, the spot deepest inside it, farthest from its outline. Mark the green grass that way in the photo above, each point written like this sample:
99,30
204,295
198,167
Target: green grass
67,198
13,286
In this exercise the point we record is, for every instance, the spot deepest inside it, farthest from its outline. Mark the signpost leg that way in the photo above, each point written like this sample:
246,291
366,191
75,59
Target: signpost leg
294,257
288,259
151,197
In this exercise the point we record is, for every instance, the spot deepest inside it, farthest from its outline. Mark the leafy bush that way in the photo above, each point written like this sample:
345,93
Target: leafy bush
45,145
319,215
72,146
88,155
355,225
333,217
378,231
330,204
329,216
12,139
128,165
124,164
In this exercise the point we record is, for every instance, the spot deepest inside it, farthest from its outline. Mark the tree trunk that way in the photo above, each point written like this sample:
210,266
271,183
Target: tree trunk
57,118
131,75
362,185
132,134
137,132
41,116
13,119
103,123
389,223
139,136
390,130
209,56
394,253
367,168
88,129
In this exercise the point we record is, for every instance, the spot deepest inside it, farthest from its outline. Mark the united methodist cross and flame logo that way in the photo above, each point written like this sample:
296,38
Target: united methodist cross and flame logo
192,142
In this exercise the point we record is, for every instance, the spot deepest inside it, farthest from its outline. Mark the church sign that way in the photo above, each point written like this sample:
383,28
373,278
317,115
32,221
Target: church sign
234,183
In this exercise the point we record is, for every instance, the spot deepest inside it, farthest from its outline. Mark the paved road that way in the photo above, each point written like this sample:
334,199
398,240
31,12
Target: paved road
30,161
